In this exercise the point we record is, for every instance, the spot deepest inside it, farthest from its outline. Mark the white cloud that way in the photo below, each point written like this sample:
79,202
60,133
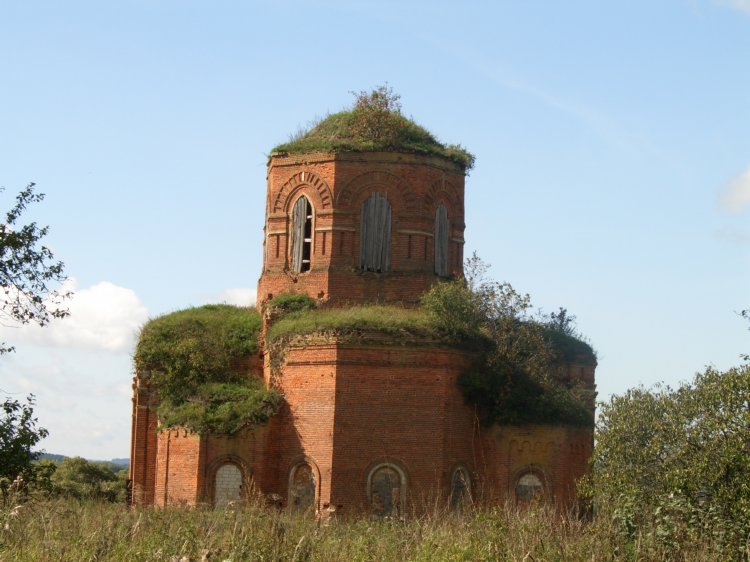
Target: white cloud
736,195
103,316
241,296
741,5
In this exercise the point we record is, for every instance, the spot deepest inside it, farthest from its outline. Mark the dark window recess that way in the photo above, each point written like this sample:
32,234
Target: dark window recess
302,217
375,234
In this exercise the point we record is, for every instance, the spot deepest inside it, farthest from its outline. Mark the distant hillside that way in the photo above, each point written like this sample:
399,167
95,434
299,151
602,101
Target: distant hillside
117,464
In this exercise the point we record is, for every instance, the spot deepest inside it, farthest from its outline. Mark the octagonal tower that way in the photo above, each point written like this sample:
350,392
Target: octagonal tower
354,227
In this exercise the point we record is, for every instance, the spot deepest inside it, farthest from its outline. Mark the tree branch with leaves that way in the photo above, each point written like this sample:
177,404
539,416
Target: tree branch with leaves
29,277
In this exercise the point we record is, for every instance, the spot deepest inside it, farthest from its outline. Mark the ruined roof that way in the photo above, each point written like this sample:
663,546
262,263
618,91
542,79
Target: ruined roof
349,131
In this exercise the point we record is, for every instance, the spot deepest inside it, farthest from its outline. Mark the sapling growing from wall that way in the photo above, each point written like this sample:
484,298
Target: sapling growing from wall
514,378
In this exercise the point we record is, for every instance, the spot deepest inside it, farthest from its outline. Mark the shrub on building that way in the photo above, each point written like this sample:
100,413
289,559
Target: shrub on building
193,358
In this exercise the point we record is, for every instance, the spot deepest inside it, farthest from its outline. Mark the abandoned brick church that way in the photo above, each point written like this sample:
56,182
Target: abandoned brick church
375,423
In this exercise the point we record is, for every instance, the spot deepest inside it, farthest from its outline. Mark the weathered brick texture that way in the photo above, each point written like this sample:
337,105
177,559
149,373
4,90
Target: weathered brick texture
336,185
352,407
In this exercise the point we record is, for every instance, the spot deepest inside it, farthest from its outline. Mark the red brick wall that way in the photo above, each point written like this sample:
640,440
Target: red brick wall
178,468
303,429
144,443
151,452
245,449
399,405
337,185
558,454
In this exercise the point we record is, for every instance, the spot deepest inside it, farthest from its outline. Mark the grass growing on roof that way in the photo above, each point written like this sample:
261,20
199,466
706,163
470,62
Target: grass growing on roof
374,124
290,302
394,320
191,354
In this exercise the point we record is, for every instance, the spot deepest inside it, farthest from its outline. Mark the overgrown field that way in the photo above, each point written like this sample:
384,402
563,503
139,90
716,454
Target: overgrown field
68,529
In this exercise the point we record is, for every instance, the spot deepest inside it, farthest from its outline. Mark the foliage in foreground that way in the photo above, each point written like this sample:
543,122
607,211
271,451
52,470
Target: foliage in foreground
375,123
28,270
678,459
28,276
19,434
66,529
192,356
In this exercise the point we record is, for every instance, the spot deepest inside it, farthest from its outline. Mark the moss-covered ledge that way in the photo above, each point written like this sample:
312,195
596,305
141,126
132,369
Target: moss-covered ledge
193,356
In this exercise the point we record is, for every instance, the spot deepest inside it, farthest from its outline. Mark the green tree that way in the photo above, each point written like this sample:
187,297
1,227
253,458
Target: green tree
19,434
377,115
29,274
82,479
515,376
678,460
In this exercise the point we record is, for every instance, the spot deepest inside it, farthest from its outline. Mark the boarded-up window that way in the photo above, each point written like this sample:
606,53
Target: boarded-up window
228,485
375,234
301,235
528,487
460,490
386,489
302,488
441,241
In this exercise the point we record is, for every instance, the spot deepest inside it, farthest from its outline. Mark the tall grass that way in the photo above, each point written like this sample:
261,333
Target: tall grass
66,529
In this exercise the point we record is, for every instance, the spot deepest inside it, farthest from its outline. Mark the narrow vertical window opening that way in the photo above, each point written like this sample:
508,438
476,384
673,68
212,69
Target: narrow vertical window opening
302,218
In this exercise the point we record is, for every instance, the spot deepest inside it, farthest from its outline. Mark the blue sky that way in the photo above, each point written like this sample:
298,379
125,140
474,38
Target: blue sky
612,177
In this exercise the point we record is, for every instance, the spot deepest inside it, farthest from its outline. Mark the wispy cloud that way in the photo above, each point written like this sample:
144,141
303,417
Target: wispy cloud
735,197
740,5
103,316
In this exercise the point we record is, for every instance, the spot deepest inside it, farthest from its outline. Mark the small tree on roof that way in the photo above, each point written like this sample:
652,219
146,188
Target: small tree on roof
377,115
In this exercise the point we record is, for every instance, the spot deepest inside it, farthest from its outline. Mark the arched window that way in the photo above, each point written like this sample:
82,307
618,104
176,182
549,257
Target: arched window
441,241
302,488
375,234
386,490
227,485
528,487
302,218
460,489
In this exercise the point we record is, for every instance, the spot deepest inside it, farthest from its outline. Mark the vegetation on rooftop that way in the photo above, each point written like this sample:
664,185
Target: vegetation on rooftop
374,124
351,321
192,355
519,376
519,373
